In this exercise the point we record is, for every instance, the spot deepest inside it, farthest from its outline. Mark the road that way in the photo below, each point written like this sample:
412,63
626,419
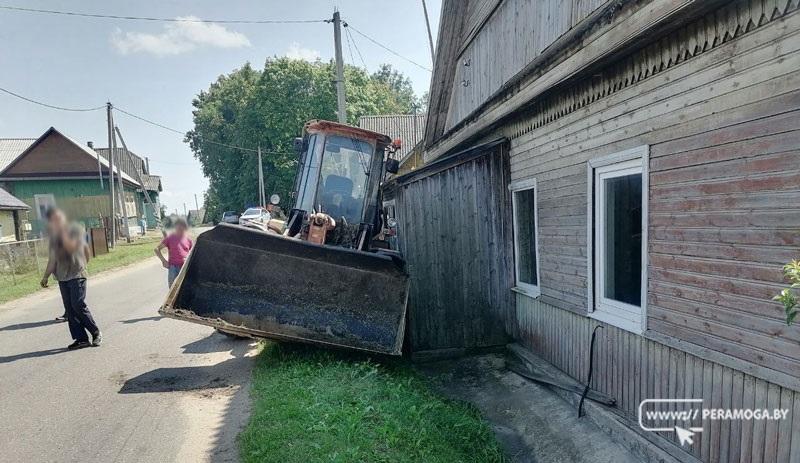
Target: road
156,390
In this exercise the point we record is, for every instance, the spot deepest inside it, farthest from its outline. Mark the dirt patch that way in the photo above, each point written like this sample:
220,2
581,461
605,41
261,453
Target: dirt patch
531,422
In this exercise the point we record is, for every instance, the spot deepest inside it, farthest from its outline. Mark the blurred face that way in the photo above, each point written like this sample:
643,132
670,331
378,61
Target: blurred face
180,229
56,222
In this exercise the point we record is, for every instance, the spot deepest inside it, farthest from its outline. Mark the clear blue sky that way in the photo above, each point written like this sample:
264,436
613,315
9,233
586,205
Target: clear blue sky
155,69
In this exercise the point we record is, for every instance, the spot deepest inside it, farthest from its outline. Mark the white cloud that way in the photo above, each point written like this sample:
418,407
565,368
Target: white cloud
295,51
179,37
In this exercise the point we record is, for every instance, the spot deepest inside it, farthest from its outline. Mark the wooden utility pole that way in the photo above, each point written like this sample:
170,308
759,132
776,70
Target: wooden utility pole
140,179
430,36
341,104
262,199
120,186
196,204
113,201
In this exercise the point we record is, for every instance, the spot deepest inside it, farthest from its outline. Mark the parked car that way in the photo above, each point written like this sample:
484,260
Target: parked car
230,217
254,214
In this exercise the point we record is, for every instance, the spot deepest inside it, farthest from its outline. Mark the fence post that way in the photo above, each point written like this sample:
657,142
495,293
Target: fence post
12,265
36,254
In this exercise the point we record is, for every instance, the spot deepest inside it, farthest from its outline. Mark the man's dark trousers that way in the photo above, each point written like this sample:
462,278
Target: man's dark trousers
73,293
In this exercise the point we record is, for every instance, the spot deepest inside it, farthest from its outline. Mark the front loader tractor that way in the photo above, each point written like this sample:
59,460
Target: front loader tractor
324,278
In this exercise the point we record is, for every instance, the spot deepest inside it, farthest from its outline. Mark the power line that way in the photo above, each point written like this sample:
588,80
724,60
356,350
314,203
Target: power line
135,116
349,47
157,19
355,45
46,105
143,119
149,121
387,48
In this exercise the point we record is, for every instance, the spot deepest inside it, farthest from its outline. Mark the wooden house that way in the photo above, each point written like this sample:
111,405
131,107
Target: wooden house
625,164
55,170
138,168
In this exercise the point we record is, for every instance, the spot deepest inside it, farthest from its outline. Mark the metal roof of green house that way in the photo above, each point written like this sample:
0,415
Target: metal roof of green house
11,148
8,201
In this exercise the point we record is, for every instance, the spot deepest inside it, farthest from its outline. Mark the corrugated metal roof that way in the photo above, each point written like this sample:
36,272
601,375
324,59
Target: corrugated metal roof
11,148
410,128
152,182
8,201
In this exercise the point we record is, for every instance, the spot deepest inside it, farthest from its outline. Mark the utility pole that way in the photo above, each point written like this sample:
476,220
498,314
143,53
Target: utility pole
185,214
196,204
111,178
262,198
430,36
120,186
140,179
341,105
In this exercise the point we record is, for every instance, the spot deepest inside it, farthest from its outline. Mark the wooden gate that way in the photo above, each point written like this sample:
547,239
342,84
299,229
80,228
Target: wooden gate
455,232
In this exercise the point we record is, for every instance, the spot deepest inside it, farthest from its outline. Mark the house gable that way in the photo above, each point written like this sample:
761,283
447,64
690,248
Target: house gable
53,155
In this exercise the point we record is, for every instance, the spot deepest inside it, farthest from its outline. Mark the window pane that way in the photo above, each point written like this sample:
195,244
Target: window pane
623,239
343,177
525,202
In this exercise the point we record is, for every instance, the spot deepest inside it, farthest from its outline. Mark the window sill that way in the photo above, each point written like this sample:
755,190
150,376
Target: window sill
533,293
619,322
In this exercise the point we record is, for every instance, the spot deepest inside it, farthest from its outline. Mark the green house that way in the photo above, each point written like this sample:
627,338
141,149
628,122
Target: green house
55,170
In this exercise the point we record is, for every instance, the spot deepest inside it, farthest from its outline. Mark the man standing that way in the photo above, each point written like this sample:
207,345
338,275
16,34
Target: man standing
69,254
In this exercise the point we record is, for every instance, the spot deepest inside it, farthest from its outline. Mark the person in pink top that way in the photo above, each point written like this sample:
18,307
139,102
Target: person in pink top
178,245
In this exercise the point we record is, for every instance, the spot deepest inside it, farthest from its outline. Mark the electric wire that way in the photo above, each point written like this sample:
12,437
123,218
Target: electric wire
47,105
355,45
158,19
349,47
226,145
387,48
135,116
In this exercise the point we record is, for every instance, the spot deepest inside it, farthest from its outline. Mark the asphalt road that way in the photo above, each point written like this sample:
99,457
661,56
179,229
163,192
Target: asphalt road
156,390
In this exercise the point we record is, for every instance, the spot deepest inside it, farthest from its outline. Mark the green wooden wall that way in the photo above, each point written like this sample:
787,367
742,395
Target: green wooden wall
82,199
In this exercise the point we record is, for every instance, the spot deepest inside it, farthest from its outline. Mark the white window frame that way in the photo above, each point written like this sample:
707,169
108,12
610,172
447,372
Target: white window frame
619,314
519,286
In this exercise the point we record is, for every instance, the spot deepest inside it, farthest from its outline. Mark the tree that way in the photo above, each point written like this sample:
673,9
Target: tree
787,296
249,108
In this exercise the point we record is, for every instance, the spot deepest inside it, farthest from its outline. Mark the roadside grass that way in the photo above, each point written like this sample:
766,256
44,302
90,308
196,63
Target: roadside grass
311,405
28,283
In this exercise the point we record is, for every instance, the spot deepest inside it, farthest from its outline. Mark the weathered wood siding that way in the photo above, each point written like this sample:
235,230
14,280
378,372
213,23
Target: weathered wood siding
55,155
631,368
456,239
498,48
718,102
723,132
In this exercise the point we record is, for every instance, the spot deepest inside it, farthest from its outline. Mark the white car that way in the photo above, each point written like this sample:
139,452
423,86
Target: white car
254,214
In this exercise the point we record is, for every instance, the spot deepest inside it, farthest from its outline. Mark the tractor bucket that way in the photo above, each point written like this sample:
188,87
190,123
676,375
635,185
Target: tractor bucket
253,283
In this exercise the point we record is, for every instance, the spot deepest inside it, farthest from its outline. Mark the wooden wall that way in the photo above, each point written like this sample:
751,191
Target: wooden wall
718,102
498,48
722,129
631,368
456,240
54,155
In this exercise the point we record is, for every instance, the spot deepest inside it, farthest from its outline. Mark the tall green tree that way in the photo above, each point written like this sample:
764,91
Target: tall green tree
250,108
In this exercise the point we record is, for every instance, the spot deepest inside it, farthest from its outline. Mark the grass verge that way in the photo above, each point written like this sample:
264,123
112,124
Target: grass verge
311,405
28,283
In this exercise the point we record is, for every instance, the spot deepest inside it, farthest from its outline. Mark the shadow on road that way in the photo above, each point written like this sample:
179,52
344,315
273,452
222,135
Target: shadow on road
143,319
28,355
228,379
25,326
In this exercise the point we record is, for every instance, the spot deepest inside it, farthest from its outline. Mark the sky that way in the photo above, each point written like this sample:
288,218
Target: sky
155,69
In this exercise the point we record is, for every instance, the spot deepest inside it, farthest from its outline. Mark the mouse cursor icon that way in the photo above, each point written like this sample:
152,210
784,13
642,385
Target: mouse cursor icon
684,435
